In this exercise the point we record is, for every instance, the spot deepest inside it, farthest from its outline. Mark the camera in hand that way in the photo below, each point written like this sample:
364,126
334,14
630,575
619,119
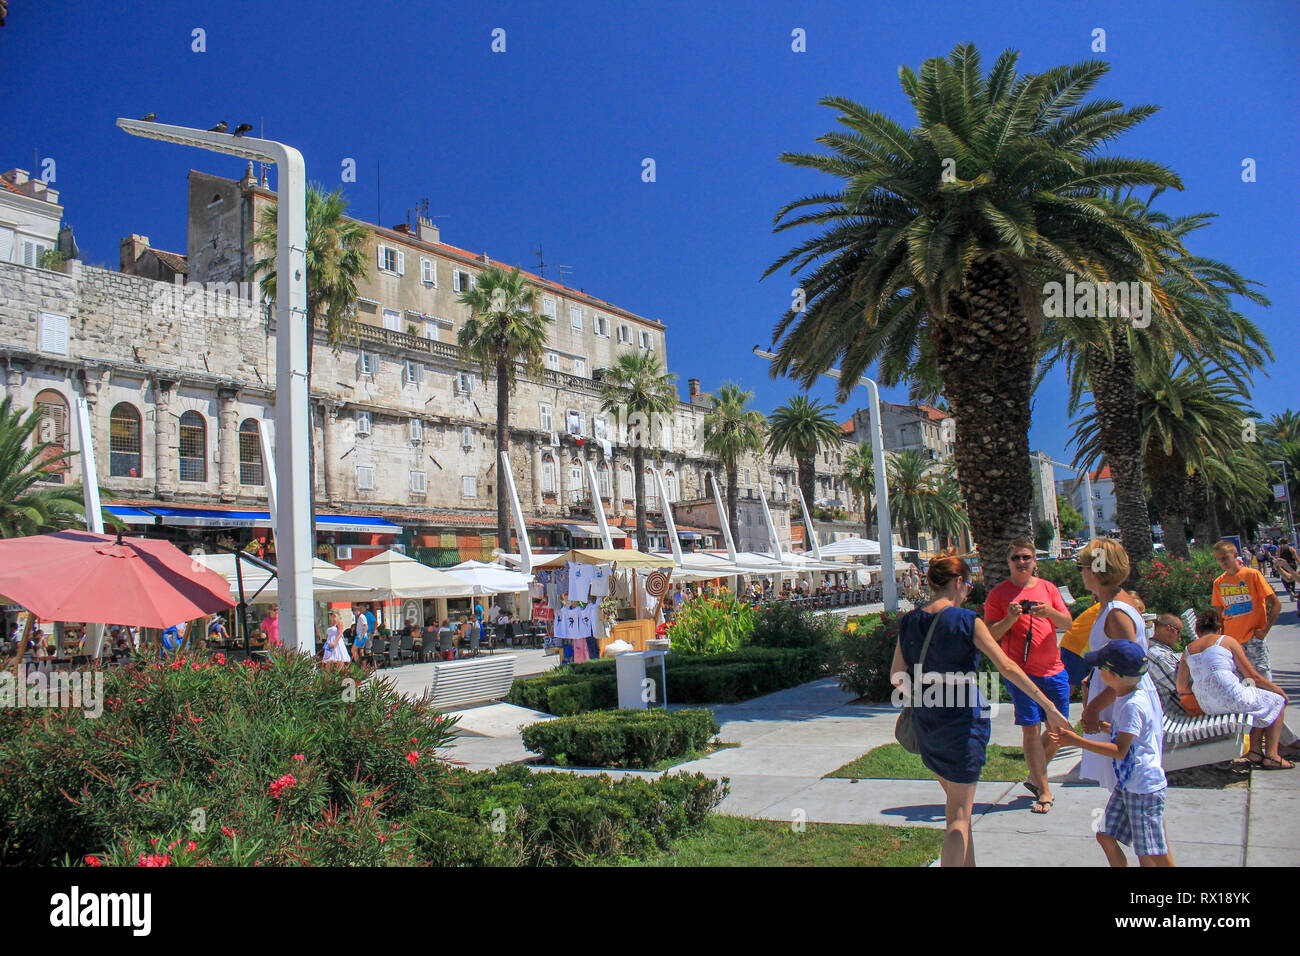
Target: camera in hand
1027,606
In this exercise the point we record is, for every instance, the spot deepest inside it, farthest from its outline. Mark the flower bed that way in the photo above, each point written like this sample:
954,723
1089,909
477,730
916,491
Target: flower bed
711,624
621,738
1172,585
198,762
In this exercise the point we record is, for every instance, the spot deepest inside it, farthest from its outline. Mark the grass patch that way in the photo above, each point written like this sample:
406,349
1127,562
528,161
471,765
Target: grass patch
737,841
892,762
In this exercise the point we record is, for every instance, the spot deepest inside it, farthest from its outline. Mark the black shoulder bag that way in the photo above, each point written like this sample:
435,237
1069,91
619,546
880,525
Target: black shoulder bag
905,728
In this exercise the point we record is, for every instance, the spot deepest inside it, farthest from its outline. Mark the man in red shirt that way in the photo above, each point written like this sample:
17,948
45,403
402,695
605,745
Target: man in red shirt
1029,639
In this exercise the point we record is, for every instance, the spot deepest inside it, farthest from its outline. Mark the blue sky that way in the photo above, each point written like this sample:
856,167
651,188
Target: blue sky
544,143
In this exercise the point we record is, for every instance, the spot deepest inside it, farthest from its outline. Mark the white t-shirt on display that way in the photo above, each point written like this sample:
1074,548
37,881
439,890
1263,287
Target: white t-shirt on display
600,580
580,577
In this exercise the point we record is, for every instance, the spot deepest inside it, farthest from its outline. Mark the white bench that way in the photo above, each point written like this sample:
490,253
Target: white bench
1196,741
461,683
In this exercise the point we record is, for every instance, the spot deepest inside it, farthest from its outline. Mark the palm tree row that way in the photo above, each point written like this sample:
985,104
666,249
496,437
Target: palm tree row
934,264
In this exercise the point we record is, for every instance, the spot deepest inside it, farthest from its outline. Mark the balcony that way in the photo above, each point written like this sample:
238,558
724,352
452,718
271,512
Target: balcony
364,334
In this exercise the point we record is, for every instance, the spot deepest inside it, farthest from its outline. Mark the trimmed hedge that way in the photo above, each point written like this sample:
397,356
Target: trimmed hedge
621,738
715,679
514,817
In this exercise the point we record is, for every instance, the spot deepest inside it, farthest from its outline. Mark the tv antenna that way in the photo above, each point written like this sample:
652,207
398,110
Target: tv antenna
541,262
562,270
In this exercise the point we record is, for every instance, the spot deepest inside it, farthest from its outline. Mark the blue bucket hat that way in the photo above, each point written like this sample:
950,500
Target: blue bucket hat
1123,658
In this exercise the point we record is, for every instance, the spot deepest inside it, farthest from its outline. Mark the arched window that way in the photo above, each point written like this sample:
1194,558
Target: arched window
602,480
194,447
670,480
250,454
780,489
625,488
52,428
652,502
124,441
548,475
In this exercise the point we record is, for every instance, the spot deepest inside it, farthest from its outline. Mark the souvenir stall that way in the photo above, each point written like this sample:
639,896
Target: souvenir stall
592,598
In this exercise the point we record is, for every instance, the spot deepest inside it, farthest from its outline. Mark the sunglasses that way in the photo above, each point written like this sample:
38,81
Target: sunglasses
1022,557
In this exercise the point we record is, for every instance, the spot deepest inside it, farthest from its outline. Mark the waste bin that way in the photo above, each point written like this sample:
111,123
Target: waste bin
641,680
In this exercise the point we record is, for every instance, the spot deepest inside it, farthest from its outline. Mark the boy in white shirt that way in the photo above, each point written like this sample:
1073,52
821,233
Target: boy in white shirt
1136,811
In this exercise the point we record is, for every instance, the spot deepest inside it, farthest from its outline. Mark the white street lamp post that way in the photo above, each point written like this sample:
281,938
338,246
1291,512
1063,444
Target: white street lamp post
1087,484
1285,484
293,480
889,588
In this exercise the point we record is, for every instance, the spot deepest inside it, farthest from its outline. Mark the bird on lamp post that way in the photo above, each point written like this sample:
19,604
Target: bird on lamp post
243,128
219,128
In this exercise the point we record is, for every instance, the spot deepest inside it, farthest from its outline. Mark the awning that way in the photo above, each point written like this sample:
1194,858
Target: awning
229,518
591,531
624,557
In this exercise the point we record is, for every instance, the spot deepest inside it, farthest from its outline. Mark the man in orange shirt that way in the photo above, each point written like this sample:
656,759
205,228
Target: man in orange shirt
1249,605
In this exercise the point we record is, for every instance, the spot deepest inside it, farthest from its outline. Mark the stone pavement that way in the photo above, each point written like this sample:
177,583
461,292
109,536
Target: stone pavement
790,739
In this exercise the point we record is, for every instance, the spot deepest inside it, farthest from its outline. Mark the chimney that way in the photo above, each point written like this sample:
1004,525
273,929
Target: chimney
483,258
428,231
693,384
18,176
129,252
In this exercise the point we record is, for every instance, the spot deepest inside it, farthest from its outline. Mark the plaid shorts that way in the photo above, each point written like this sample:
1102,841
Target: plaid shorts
1138,820
1257,653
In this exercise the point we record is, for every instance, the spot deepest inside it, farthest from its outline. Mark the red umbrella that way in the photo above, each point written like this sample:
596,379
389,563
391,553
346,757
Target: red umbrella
99,578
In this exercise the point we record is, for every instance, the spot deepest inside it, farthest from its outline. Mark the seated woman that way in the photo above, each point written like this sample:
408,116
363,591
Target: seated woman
1216,671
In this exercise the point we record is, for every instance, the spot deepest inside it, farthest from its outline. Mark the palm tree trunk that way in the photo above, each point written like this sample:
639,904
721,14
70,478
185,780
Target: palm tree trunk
503,445
985,350
1114,392
638,485
1169,492
1199,509
807,478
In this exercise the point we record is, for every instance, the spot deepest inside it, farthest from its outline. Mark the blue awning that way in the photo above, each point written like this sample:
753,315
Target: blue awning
228,518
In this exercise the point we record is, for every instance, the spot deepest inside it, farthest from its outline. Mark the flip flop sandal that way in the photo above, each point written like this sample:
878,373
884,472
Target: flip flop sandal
1045,804
1281,764
1245,759
1032,788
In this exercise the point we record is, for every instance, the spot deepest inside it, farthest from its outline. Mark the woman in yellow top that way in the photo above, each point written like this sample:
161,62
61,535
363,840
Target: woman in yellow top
1074,644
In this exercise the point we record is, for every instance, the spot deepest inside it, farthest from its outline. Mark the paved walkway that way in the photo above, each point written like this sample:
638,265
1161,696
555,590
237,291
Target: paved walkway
790,739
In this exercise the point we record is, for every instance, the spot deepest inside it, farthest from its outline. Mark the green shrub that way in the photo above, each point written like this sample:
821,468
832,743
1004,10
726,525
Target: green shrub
711,624
1171,585
621,738
785,625
864,658
276,763
750,672
561,818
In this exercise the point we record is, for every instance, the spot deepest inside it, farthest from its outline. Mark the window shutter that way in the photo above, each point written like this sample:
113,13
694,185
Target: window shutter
401,263
418,482
467,438
54,333
379,255
416,430
365,477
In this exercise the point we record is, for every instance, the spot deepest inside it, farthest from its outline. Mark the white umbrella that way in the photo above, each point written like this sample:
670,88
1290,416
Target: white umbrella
490,578
391,575
325,586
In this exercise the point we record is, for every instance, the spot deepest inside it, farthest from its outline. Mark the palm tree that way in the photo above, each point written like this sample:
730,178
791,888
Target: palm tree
939,245
336,263
923,497
1284,426
949,510
501,332
1194,317
860,478
803,428
1188,418
26,509
637,386
730,431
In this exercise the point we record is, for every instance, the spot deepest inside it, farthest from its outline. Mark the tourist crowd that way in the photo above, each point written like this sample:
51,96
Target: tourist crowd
1130,682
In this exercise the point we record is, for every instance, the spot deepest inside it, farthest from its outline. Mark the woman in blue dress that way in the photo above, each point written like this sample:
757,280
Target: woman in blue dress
951,717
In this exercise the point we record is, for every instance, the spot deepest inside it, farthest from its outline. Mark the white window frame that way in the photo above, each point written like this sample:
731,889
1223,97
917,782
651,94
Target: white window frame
365,477
394,316
548,307
624,334
419,482
580,367
429,272
464,383
547,417
33,250
575,317
548,475
366,364
413,373
552,361
646,340
467,438
601,325
415,430
397,258
365,425
54,333
468,486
